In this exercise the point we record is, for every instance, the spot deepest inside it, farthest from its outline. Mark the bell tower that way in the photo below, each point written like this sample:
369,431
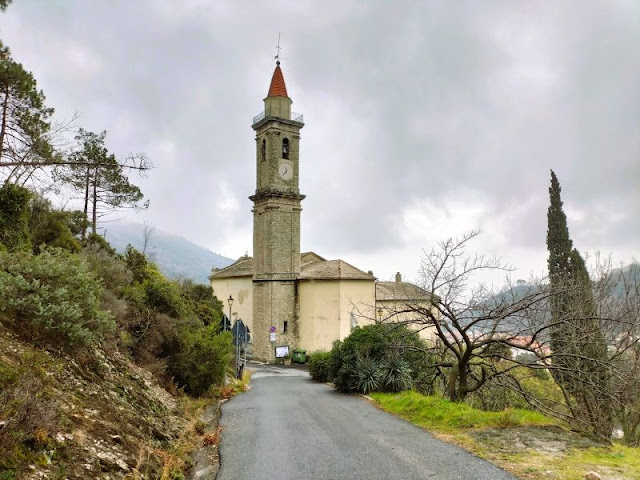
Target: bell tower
276,222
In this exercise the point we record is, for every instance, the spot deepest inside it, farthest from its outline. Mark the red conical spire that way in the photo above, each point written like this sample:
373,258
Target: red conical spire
277,87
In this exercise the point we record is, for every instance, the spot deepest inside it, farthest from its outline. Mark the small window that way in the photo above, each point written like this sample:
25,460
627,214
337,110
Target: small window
284,329
263,150
285,148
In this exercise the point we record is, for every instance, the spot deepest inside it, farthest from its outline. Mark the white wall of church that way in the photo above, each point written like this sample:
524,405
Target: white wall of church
241,289
357,304
326,309
319,319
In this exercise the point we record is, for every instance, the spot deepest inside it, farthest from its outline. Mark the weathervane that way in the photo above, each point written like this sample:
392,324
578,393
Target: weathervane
278,48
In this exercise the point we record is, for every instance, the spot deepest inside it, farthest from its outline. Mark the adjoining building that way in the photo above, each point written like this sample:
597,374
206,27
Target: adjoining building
285,297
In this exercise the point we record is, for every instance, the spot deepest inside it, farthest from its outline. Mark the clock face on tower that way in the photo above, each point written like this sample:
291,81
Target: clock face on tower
285,170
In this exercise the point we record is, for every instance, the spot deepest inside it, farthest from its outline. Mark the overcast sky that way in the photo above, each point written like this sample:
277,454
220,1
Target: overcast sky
423,119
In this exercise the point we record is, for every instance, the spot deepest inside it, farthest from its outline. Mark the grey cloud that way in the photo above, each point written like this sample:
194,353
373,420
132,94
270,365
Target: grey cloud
426,99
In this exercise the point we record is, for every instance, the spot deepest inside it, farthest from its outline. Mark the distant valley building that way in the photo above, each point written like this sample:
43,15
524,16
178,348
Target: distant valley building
283,296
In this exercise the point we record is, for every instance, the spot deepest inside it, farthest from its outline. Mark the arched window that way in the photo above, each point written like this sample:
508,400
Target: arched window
285,148
263,150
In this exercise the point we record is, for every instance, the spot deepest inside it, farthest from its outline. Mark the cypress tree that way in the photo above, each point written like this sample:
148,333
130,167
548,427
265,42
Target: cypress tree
578,345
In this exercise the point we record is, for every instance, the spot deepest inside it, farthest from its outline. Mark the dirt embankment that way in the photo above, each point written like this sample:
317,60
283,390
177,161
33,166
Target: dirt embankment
96,416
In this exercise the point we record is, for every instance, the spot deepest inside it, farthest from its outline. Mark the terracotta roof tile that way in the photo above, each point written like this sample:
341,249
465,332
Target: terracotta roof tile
277,87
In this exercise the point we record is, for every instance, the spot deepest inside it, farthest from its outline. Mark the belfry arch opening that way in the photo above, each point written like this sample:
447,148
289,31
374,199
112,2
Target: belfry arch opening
285,148
263,150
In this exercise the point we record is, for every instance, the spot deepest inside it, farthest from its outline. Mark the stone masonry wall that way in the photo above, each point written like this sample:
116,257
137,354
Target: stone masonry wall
274,302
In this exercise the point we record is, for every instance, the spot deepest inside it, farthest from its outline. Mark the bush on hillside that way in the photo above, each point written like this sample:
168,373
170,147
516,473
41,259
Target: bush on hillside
14,217
202,359
320,366
51,227
107,266
397,352
52,299
98,242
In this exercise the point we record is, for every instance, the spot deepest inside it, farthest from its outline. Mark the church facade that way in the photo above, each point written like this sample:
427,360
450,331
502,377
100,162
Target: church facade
285,297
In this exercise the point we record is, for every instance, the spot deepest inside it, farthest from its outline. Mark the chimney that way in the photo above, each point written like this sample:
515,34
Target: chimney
398,277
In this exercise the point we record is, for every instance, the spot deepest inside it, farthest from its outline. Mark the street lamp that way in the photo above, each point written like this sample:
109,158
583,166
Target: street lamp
230,300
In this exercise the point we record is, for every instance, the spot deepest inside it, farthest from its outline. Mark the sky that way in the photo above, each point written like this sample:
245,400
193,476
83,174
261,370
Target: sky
423,119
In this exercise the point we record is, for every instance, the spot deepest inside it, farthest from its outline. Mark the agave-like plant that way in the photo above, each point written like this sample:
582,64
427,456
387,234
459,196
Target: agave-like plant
395,374
368,375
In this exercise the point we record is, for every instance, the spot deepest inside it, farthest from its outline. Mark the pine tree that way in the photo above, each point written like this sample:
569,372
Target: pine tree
96,173
579,347
24,121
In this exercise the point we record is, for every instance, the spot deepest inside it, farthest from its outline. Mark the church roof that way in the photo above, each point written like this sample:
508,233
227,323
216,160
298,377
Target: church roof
277,87
333,270
307,258
400,291
243,267
313,266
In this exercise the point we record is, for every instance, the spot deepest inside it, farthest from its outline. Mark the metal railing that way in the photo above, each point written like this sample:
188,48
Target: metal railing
277,112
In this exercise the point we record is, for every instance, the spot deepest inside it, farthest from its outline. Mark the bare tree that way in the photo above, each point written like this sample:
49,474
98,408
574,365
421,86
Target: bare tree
486,337
475,329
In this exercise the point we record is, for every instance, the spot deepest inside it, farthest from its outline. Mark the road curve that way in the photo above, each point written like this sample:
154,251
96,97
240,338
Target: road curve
288,427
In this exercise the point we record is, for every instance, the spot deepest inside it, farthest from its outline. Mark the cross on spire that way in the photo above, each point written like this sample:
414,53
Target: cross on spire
278,48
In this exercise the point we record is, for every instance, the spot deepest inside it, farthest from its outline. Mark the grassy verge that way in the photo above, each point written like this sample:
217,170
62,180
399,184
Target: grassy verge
523,442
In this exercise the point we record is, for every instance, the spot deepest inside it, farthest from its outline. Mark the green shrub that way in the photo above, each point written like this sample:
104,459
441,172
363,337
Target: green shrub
110,268
369,375
164,296
202,360
98,242
395,373
137,263
320,366
380,342
14,216
50,227
52,298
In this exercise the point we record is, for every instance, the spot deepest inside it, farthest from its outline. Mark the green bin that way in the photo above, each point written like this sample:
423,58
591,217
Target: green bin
299,356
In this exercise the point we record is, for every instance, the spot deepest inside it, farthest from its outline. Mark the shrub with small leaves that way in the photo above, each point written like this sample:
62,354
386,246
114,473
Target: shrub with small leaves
52,299
380,342
320,366
202,359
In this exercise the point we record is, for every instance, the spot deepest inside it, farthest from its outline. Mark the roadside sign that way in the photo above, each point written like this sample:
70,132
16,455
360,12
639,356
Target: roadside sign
282,351
272,337
272,329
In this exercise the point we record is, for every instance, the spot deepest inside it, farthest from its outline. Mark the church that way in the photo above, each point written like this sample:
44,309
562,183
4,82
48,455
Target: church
285,297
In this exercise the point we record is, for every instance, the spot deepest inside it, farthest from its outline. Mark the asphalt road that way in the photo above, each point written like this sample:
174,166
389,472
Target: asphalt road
288,427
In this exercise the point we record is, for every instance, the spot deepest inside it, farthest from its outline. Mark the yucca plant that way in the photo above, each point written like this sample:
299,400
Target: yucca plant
368,375
395,374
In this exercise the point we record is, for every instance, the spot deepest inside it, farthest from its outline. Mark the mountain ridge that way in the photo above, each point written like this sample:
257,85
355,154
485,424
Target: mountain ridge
175,256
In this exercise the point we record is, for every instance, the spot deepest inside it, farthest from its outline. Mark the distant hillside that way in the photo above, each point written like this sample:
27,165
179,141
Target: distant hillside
175,256
625,276
620,283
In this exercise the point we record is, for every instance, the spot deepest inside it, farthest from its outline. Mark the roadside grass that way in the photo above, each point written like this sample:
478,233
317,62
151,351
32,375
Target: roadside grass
447,417
525,443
